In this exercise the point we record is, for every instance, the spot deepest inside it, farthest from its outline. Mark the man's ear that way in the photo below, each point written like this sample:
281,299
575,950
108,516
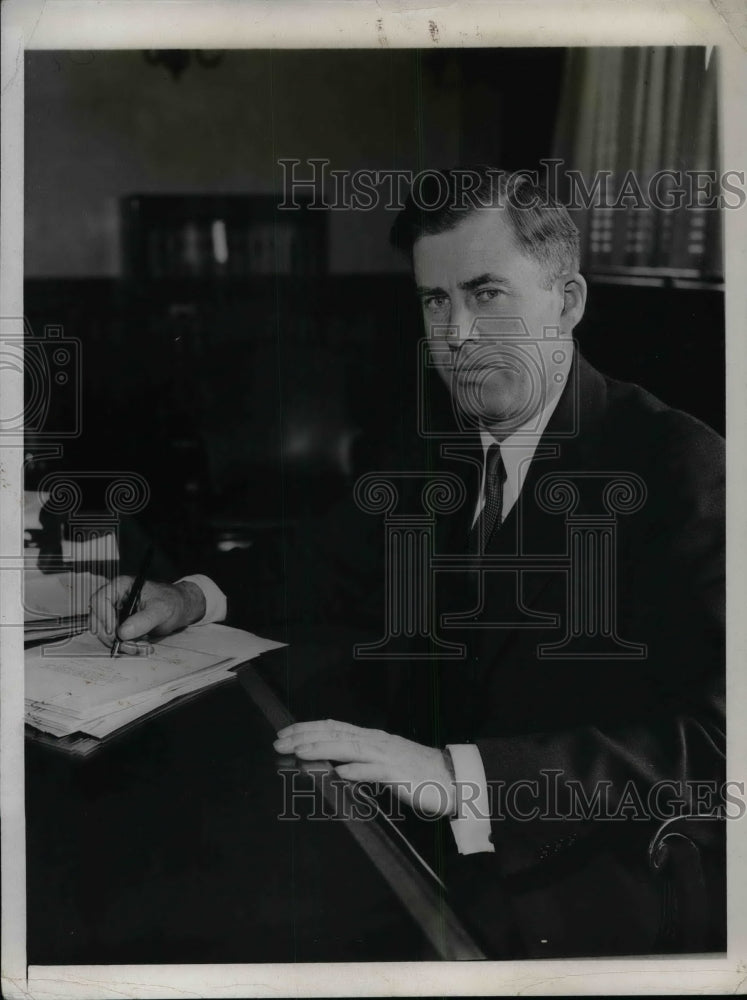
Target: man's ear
574,300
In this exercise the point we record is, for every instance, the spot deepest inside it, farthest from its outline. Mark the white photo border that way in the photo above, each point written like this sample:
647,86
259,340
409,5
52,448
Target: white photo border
226,24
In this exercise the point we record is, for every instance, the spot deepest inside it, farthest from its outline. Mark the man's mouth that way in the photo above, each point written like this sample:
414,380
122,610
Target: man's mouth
483,370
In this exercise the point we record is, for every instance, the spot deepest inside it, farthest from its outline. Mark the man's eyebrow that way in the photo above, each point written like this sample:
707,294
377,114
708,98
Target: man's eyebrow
466,286
482,279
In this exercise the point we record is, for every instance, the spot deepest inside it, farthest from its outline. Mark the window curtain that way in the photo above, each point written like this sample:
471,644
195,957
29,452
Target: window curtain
626,117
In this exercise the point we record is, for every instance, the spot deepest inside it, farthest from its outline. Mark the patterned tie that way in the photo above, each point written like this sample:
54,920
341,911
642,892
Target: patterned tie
491,514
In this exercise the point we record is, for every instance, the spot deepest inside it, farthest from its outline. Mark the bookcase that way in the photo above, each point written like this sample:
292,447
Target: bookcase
219,236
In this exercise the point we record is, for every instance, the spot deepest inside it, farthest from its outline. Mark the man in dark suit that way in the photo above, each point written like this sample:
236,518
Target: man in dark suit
581,581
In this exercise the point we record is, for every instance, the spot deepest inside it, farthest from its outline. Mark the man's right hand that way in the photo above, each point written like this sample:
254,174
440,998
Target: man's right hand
164,608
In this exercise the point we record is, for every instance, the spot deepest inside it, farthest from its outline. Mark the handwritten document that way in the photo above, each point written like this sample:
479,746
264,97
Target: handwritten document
76,686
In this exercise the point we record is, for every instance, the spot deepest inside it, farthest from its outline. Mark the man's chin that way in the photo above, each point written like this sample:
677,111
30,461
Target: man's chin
499,413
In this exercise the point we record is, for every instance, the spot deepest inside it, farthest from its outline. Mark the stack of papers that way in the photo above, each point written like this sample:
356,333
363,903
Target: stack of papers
56,604
76,687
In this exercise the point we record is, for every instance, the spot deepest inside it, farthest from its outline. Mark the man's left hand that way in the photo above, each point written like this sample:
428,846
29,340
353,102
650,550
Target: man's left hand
419,775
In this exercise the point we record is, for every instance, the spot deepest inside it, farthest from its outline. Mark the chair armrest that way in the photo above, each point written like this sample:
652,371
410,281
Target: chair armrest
687,853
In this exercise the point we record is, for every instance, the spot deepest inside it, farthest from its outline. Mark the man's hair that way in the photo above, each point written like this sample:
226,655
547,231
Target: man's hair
439,200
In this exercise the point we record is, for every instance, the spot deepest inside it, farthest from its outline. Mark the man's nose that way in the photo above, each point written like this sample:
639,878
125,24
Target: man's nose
462,327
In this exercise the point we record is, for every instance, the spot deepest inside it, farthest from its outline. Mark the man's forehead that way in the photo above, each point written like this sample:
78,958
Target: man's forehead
484,239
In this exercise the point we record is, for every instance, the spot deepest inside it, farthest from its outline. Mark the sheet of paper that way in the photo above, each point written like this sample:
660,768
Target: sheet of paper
233,642
78,687
84,674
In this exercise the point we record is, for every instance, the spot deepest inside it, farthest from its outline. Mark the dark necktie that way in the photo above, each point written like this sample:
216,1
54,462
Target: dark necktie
491,514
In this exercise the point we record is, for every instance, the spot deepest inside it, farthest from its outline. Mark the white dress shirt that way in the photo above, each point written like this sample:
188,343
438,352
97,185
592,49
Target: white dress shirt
471,827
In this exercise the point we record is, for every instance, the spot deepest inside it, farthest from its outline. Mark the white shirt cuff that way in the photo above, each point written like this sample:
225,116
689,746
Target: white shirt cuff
471,826
216,606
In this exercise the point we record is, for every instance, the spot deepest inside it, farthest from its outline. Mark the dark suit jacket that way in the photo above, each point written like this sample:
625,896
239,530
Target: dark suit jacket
632,700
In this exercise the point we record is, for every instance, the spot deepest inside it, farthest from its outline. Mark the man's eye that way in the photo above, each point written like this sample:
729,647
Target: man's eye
435,303
483,295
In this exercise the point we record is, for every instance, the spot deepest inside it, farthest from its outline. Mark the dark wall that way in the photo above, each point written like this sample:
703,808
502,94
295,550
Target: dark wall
669,340
103,125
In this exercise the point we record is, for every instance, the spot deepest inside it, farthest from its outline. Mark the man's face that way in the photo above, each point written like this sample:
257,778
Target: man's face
498,335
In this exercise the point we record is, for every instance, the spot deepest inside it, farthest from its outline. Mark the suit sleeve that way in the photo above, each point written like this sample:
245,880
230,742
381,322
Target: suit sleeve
312,576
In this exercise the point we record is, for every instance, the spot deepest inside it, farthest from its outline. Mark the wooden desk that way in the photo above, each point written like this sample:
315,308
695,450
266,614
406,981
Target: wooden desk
166,847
